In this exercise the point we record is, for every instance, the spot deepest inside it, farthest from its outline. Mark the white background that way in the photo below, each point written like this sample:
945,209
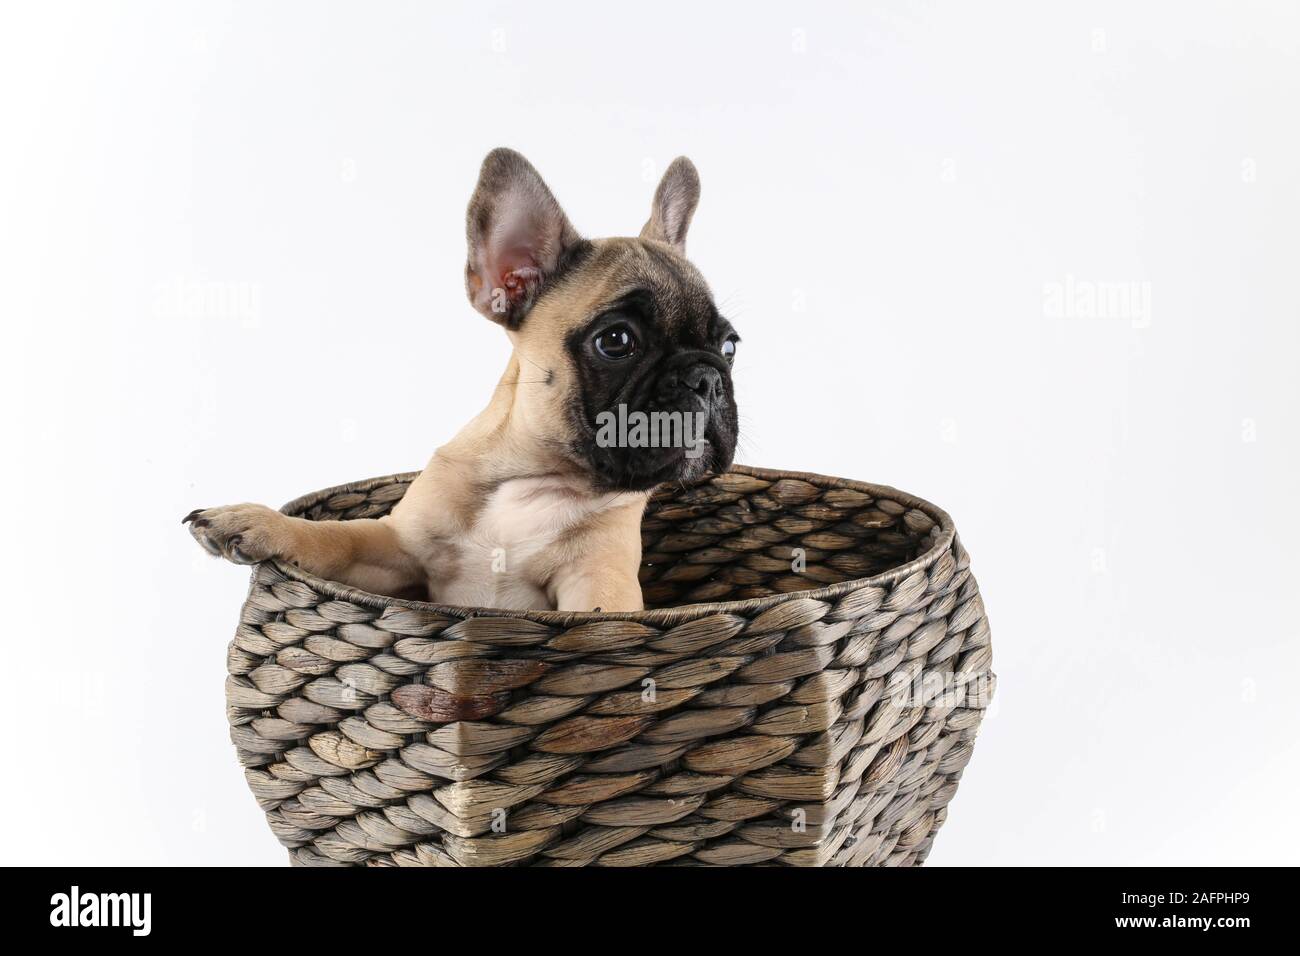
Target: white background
231,250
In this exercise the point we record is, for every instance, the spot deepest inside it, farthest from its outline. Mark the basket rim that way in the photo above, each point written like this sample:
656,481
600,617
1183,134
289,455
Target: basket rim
658,617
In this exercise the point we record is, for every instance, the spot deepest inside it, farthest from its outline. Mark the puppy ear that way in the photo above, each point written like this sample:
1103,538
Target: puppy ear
517,233
674,204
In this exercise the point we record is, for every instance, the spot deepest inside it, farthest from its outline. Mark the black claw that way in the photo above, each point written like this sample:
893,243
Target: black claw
192,515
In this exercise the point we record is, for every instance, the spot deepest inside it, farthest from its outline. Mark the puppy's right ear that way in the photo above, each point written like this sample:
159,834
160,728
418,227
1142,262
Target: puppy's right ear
517,234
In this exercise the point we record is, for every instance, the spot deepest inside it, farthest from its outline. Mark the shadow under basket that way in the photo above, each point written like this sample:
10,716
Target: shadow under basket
804,691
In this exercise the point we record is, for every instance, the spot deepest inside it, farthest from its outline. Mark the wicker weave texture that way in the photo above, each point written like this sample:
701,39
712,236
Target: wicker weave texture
805,691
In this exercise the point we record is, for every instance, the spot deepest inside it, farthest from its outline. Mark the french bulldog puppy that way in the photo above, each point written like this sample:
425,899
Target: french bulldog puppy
537,502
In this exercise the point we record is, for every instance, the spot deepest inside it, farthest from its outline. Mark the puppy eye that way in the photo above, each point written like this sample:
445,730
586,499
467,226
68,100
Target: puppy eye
729,350
616,342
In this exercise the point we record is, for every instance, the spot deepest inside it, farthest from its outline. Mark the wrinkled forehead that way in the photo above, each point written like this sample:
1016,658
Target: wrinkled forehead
615,270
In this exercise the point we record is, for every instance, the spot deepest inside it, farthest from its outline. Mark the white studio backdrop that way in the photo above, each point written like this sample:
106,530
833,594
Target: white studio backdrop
1036,263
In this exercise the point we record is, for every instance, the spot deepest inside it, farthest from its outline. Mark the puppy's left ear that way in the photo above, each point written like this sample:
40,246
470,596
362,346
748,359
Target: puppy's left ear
674,205
517,235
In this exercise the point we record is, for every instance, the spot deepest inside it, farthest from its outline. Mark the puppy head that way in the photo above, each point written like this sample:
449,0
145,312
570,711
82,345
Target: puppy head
624,359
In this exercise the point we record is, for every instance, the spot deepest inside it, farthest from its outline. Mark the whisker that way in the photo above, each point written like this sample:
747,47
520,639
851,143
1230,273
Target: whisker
534,364
542,381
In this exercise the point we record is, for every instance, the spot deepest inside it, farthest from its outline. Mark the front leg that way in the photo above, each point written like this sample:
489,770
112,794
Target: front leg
364,553
598,586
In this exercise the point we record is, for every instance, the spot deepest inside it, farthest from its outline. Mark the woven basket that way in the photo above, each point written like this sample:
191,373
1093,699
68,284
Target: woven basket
805,690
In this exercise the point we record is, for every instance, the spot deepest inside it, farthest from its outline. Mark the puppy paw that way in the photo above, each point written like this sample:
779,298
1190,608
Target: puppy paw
244,534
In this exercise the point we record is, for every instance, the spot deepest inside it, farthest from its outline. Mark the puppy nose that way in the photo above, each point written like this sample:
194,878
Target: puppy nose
704,380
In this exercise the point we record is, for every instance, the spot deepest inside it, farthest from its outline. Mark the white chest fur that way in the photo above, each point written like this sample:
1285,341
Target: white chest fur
511,550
